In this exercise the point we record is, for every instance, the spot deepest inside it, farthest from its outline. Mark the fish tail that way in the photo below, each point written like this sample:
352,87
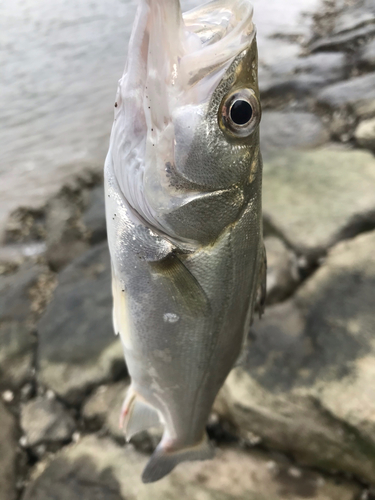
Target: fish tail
164,460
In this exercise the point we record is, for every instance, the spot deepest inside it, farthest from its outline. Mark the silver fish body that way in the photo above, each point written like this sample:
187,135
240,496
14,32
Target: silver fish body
183,182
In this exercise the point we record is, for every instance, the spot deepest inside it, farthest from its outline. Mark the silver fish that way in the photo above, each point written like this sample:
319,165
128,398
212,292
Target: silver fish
183,180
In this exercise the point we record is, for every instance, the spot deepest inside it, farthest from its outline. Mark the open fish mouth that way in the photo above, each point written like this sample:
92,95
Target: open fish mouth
174,64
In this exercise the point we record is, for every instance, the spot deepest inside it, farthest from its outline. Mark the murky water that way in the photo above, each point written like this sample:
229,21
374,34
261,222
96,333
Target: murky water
59,65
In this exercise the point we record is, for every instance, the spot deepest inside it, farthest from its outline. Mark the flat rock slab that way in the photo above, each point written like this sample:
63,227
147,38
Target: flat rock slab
299,77
46,421
8,454
101,470
315,198
352,22
307,383
280,130
17,324
77,347
356,95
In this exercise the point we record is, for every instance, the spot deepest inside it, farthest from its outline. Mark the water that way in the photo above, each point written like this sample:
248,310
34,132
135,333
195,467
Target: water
59,65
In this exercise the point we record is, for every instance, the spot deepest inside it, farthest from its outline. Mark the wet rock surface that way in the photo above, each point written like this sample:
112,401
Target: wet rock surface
97,468
327,199
19,304
8,454
307,382
301,77
46,421
77,347
348,25
348,102
290,130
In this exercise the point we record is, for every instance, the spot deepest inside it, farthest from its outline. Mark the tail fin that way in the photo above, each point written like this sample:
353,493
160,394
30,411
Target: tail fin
162,462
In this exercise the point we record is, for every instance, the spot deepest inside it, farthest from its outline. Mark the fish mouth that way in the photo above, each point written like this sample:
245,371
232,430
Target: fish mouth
174,60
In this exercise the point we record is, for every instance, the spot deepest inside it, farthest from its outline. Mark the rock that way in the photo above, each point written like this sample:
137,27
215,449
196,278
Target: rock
94,216
101,470
103,409
284,130
365,134
307,382
77,347
8,455
348,101
12,256
21,299
65,234
302,76
366,59
316,198
282,270
352,23
46,421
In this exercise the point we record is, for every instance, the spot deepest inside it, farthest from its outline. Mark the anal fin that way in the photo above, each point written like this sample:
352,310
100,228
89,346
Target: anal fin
137,415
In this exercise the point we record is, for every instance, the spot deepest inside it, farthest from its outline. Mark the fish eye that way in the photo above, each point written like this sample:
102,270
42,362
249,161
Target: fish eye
240,112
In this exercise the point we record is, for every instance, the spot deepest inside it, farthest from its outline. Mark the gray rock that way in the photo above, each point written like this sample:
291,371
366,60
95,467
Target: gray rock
284,130
348,102
366,59
65,234
8,454
365,134
307,383
101,470
46,421
282,270
315,198
77,347
94,216
352,23
19,305
103,409
12,256
301,77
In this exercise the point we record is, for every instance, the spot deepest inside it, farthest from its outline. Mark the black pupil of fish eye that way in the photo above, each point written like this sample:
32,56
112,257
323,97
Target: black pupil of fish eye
241,112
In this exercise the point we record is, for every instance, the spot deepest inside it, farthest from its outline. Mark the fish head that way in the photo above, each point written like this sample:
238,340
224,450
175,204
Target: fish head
186,129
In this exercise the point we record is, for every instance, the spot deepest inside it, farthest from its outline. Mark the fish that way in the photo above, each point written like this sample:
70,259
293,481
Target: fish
183,189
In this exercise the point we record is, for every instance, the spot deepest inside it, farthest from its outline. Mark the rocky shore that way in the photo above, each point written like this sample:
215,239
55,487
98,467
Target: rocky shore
296,419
